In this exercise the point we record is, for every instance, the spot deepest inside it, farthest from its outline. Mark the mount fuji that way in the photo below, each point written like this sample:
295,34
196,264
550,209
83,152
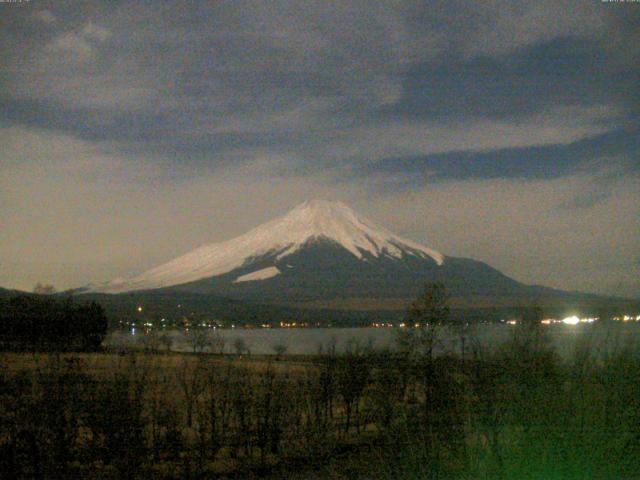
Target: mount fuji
324,255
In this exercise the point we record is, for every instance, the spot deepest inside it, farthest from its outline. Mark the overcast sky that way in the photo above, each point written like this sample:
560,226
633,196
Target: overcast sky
132,132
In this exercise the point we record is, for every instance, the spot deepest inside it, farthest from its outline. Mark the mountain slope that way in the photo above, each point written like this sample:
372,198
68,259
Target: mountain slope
279,239
322,274
324,255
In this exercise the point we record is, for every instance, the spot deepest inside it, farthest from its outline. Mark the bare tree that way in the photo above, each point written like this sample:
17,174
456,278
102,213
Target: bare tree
279,349
190,379
352,375
150,341
198,339
240,346
218,342
166,341
425,317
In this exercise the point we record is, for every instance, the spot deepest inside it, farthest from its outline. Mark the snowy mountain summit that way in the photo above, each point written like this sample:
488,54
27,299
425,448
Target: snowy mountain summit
310,222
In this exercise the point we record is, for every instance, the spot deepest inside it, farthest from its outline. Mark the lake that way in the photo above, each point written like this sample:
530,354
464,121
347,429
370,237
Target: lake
565,338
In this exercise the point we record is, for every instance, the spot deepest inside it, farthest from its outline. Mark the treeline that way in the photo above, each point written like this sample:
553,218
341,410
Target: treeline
30,322
516,412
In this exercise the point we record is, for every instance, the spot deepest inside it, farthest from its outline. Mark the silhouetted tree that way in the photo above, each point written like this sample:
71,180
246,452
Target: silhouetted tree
198,339
240,346
424,320
352,377
218,342
279,349
166,341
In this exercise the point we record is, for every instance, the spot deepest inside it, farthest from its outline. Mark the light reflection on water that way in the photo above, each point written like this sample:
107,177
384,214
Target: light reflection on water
565,338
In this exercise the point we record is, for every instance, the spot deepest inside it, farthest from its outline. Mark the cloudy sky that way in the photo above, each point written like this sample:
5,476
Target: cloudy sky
132,132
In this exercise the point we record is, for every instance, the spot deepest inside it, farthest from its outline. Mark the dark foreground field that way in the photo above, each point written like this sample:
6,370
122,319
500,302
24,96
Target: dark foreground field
514,413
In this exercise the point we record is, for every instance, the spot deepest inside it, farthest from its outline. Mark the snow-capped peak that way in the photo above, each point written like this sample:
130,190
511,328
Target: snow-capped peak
336,221
282,236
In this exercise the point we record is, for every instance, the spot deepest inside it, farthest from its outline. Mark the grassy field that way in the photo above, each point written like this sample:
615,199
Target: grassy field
515,412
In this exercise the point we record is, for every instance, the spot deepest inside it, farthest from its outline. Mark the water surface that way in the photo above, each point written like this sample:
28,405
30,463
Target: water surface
565,338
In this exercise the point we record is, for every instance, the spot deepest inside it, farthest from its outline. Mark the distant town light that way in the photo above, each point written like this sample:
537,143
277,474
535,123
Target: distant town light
573,320
588,320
